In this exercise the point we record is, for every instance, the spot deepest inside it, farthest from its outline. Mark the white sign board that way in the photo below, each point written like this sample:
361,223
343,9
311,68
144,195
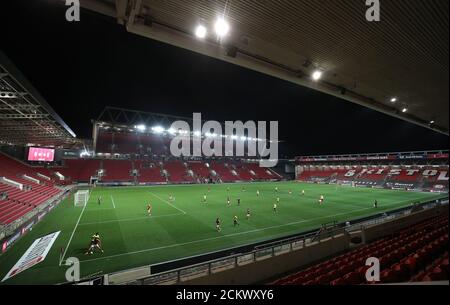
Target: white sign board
35,254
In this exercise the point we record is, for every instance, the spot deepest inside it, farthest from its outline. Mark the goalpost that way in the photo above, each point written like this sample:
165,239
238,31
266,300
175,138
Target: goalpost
81,198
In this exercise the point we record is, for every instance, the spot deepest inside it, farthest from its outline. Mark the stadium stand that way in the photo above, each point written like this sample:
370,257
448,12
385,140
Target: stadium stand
177,172
407,175
15,201
117,170
80,170
200,169
249,171
243,172
418,253
155,148
109,142
154,145
223,171
104,142
373,174
262,173
425,178
125,143
149,172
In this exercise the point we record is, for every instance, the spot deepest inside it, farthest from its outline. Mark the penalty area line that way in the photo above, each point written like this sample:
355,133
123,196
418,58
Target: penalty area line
168,203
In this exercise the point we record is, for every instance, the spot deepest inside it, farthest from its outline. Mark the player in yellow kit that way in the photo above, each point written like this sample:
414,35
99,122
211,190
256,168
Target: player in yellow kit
321,199
149,209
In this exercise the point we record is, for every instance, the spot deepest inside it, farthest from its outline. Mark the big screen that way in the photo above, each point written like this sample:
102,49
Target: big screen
41,154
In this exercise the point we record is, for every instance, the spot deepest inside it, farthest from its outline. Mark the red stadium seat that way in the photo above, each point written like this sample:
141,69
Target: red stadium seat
20,202
402,258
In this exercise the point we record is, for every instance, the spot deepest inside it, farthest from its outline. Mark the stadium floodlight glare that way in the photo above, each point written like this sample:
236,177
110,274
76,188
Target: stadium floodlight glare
197,133
171,131
393,100
84,153
404,110
140,127
234,137
317,75
158,129
243,138
221,27
201,31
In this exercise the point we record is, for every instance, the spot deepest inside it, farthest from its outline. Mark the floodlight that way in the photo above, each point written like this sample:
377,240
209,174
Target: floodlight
140,127
222,27
158,129
317,75
200,31
84,153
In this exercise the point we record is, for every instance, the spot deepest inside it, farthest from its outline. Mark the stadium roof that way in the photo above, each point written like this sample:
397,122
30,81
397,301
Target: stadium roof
404,56
25,117
435,154
128,117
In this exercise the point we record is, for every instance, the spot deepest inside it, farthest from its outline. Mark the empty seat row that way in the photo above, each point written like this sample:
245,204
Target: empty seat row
401,256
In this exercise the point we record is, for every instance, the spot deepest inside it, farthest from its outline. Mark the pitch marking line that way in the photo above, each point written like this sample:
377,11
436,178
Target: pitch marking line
223,236
129,219
112,200
71,236
168,203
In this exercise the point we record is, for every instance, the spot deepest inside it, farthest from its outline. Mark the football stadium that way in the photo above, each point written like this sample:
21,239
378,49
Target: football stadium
115,174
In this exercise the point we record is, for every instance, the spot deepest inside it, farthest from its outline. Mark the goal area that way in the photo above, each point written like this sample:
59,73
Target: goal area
81,198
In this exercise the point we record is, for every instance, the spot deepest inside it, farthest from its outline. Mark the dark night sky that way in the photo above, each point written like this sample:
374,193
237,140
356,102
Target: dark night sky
81,67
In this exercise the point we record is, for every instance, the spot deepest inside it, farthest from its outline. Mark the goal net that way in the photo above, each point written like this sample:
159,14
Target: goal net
81,198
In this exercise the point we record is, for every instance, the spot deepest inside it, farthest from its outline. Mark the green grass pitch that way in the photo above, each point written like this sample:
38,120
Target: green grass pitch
186,226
